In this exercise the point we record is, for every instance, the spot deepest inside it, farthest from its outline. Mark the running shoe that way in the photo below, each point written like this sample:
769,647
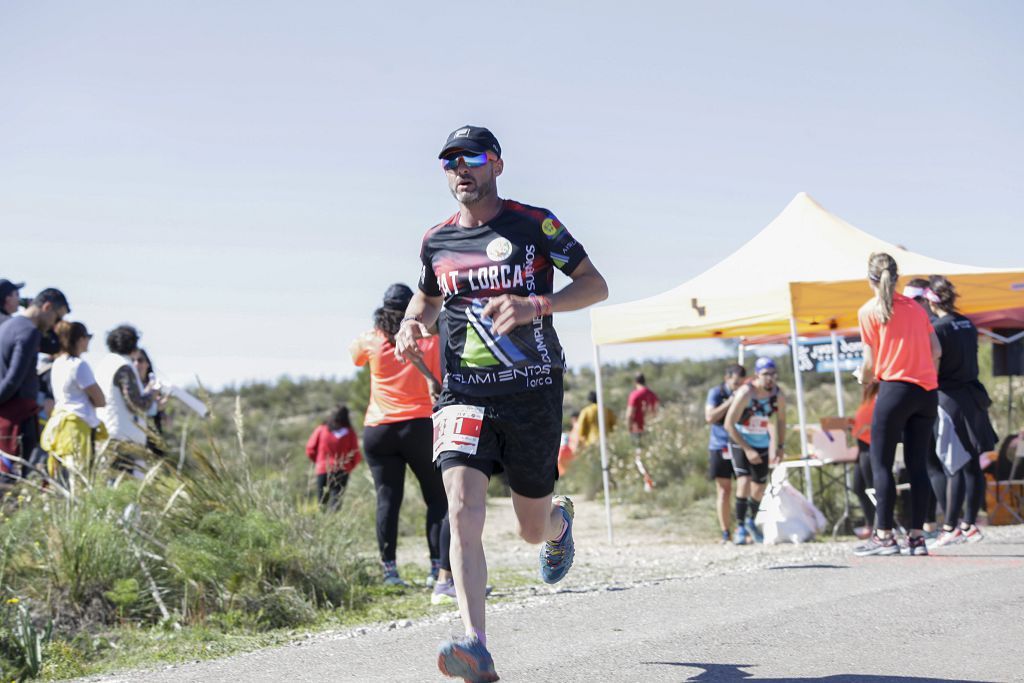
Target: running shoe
435,567
863,532
877,546
755,533
741,535
391,577
444,593
916,545
947,538
726,539
466,658
556,556
972,534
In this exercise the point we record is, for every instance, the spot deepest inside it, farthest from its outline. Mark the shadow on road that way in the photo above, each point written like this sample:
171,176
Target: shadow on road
735,672
810,566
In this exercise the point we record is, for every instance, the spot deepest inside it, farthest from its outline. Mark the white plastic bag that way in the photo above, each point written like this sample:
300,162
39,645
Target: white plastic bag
786,516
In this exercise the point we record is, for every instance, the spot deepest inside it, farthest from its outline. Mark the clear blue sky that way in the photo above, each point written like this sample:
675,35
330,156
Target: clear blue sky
243,180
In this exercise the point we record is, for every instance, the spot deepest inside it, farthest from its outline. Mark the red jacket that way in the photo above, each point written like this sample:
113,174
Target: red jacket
332,453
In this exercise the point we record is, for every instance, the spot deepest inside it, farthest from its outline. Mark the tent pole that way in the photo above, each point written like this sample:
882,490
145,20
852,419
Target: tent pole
740,352
841,409
800,408
604,441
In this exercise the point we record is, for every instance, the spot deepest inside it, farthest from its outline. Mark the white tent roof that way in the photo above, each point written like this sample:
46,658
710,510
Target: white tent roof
752,293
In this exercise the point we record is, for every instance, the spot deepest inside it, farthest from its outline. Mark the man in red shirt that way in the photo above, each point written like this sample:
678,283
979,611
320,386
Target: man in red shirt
641,403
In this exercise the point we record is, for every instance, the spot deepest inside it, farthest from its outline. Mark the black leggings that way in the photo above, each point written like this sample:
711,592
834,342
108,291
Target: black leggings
330,489
908,411
388,449
862,480
968,483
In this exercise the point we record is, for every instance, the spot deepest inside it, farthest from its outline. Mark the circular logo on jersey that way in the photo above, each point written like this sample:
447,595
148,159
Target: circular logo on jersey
549,227
499,249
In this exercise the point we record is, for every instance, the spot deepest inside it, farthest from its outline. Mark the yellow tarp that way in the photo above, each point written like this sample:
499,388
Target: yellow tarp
808,263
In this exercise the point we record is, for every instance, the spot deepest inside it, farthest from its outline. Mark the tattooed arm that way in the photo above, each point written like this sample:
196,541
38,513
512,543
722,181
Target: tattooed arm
128,384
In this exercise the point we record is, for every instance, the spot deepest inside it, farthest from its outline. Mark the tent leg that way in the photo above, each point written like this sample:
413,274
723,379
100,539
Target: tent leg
841,409
808,488
740,353
604,442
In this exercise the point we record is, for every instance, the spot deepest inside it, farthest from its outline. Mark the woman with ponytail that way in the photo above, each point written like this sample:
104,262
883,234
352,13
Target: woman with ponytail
901,352
963,399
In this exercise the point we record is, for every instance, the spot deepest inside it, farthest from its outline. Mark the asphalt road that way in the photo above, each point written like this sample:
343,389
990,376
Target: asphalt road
954,617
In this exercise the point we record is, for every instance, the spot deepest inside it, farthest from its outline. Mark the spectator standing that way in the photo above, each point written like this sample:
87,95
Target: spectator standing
862,477
127,399
154,414
70,434
963,398
902,352
19,384
641,404
587,425
398,431
9,299
334,449
719,458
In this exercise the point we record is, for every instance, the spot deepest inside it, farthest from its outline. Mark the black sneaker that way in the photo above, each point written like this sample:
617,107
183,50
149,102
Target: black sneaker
915,546
877,546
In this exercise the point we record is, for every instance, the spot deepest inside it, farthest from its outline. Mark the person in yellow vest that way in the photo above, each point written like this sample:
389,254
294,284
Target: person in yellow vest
587,427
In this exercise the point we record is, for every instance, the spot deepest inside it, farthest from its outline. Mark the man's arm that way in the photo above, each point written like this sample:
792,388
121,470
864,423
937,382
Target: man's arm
509,311
420,315
933,339
732,416
22,363
714,414
780,427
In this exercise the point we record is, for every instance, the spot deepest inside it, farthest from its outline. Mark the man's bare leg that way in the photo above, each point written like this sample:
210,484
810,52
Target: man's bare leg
724,500
467,510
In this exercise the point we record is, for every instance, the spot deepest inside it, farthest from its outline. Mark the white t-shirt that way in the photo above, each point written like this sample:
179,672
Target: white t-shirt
69,377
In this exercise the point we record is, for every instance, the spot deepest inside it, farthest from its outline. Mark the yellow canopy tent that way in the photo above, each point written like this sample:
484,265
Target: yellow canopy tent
803,274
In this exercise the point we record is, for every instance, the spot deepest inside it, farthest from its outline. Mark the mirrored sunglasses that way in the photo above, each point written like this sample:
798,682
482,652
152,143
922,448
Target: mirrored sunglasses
452,163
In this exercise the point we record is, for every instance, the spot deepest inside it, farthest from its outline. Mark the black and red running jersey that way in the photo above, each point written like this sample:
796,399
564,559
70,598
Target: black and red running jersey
513,254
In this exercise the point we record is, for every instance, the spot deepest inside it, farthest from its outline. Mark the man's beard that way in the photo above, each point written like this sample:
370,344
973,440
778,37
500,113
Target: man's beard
483,190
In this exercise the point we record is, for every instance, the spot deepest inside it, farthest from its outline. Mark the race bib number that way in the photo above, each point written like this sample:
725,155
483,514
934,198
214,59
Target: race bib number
726,453
757,425
457,428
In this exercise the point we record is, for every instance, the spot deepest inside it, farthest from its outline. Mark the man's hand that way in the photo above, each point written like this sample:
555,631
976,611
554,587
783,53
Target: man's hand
508,312
407,339
777,458
753,457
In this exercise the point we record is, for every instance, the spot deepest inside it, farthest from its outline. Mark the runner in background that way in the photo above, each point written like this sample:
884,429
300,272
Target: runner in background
491,268
642,403
397,431
587,426
719,460
755,440
902,352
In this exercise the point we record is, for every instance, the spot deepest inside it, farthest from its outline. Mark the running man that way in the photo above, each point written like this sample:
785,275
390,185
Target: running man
755,438
490,267
720,470
642,403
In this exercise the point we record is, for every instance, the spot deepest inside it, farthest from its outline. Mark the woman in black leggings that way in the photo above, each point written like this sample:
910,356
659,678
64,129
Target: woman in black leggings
398,431
902,352
964,400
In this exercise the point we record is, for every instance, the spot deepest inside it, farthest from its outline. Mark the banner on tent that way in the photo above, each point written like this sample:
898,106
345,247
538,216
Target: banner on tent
815,355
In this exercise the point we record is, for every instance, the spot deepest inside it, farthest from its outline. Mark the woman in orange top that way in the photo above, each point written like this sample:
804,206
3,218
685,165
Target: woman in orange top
398,430
862,477
902,352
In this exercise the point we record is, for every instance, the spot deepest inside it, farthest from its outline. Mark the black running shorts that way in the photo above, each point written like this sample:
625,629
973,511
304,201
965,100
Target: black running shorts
758,473
719,467
520,436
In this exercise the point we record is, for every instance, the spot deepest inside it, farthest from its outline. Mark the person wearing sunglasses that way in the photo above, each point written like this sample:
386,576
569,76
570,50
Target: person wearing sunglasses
490,269
756,424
